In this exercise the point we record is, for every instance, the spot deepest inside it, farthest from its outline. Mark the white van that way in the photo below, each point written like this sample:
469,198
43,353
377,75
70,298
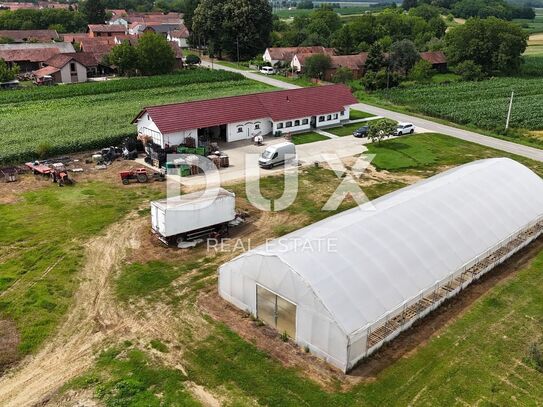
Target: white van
267,70
277,154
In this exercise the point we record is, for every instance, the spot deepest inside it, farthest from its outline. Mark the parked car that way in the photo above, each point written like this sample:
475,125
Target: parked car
361,132
404,128
277,154
267,70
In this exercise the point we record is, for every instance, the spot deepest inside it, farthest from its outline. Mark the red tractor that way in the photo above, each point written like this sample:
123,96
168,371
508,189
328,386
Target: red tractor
140,175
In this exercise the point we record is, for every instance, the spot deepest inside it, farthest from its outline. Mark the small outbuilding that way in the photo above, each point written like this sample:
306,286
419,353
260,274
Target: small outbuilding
347,284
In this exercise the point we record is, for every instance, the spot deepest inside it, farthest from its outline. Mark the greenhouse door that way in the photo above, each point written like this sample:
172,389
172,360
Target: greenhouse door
276,311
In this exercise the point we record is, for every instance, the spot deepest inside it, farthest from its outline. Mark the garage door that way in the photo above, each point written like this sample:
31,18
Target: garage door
276,311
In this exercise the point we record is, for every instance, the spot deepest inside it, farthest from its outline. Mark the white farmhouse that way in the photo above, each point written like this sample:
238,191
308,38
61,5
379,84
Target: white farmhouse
244,117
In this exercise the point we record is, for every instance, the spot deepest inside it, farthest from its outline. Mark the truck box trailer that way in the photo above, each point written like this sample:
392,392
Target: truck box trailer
192,216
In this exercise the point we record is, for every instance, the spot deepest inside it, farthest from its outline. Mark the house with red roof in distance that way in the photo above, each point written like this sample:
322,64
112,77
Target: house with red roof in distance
437,59
355,63
244,117
67,68
105,30
180,36
30,35
31,56
284,55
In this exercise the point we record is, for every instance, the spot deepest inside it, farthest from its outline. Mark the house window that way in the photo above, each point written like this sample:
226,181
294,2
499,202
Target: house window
257,126
329,117
296,122
343,113
289,124
279,125
72,68
321,118
335,116
305,121
240,129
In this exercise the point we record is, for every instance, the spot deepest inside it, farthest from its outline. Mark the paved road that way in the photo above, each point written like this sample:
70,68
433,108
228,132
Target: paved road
422,124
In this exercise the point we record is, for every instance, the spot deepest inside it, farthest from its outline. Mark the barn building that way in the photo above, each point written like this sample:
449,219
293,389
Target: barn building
392,261
243,117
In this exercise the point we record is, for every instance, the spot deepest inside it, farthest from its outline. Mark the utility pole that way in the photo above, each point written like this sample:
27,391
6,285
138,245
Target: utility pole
237,46
509,112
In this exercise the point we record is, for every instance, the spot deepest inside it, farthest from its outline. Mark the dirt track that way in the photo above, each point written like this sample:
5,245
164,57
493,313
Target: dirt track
92,319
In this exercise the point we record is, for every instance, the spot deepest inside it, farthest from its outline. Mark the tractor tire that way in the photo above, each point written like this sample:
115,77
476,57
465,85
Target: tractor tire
126,181
412,131
142,178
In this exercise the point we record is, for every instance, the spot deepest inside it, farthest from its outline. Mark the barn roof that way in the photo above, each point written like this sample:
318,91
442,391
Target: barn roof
26,35
287,53
84,58
107,28
33,52
434,57
278,105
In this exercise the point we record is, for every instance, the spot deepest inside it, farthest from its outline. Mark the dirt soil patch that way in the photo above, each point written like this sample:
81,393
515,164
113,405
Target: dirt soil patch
408,342
9,340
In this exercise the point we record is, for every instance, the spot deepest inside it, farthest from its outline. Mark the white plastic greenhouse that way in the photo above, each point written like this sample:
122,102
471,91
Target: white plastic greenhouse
347,284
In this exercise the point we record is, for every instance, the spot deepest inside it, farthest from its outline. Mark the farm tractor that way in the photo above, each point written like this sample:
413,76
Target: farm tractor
140,175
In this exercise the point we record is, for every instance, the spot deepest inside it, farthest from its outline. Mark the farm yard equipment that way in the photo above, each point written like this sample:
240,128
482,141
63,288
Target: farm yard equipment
56,171
9,174
38,168
140,175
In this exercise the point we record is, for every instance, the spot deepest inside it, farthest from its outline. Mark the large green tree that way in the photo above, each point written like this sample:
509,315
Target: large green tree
94,10
316,65
155,56
125,57
493,44
7,73
403,56
232,26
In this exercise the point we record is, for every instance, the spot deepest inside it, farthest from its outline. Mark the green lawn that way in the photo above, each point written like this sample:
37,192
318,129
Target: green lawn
300,81
348,129
243,66
41,250
305,138
357,114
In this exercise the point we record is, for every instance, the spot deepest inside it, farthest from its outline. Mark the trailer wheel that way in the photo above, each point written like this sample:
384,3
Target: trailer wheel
125,181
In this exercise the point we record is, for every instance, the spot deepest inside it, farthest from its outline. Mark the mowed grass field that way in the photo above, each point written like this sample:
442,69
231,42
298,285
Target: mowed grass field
480,358
69,118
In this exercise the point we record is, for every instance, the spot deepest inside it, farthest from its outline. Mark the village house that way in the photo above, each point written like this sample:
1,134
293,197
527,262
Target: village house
30,35
180,36
284,55
244,117
105,30
30,56
356,63
67,68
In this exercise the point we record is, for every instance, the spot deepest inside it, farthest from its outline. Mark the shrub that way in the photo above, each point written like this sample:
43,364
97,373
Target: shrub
469,71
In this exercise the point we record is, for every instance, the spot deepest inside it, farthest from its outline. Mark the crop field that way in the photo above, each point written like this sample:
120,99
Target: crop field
481,104
63,119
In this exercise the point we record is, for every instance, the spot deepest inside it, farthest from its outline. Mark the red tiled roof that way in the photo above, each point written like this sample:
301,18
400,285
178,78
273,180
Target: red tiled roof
99,46
278,105
349,61
286,54
48,70
107,28
84,58
31,55
25,35
435,57
74,37
183,32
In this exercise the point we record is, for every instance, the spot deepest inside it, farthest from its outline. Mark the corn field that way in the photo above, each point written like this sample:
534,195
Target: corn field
64,119
481,104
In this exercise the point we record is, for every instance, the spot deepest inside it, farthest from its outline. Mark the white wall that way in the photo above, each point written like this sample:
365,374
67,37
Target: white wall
315,327
248,129
293,128
330,119
66,76
174,139
267,58
147,126
295,64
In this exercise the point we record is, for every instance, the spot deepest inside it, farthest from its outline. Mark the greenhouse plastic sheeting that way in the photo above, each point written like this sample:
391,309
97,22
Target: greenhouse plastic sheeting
386,253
